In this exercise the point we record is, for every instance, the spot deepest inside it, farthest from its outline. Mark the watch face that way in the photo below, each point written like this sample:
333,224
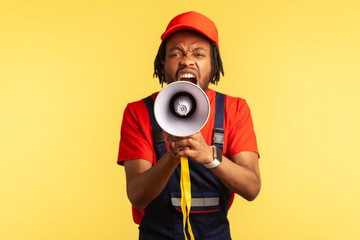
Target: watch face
218,154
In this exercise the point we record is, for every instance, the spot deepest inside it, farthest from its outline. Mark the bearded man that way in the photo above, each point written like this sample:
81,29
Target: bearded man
223,155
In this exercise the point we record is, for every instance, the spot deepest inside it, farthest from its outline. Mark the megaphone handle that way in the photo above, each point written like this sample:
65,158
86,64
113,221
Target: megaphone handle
185,185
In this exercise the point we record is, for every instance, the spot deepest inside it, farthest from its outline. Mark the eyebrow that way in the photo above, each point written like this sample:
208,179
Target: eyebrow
200,49
180,49
176,48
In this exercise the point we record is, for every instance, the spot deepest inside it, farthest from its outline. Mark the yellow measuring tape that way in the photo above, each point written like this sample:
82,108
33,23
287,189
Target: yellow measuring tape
185,185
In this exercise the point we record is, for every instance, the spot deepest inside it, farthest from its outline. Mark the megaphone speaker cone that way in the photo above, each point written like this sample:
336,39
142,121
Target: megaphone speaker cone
181,108
182,105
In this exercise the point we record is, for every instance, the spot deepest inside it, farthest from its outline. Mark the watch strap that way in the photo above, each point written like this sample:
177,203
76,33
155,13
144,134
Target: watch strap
216,161
213,164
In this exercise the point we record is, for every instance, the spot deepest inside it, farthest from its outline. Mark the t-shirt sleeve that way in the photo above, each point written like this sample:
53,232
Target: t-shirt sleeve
135,137
241,135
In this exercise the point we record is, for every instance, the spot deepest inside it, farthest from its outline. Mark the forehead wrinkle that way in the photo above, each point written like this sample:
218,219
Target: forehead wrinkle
194,45
187,38
176,48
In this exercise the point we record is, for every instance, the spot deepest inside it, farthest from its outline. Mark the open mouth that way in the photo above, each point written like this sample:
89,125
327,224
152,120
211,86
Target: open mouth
189,76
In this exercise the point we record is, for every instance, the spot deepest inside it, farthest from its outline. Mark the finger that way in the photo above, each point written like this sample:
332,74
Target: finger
182,143
183,152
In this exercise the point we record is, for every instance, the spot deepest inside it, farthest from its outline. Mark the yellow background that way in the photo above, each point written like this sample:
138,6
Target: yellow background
68,69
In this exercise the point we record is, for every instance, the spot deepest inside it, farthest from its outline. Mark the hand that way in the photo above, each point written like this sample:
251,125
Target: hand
170,139
193,146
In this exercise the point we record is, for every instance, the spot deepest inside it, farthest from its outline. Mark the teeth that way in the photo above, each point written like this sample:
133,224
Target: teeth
187,75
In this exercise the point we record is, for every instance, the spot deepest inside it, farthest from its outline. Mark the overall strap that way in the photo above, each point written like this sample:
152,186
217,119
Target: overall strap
157,133
218,136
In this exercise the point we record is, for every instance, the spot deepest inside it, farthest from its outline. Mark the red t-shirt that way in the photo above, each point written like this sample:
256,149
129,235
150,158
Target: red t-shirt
136,139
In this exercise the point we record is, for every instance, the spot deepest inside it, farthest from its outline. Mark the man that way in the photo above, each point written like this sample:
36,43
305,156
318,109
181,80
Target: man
189,52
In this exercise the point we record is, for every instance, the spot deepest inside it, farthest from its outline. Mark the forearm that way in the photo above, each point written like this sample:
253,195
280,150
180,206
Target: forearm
145,186
239,179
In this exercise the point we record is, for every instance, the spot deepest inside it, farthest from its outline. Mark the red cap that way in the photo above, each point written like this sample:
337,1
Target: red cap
192,21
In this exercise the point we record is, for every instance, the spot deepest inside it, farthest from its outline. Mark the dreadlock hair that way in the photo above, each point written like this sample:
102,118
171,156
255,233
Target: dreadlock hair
216,63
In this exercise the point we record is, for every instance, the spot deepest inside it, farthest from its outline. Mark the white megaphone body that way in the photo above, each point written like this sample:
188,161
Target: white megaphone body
181,108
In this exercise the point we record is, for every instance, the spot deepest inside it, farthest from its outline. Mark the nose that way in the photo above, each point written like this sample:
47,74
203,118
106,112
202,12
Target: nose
187,60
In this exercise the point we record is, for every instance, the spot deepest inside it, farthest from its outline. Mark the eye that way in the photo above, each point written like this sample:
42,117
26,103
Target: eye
176,54
198,54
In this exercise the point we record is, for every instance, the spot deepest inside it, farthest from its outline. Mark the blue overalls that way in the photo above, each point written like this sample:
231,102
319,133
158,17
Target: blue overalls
210,198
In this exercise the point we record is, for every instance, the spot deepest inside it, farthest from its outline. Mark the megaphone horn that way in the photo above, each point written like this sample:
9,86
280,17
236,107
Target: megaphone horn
181,108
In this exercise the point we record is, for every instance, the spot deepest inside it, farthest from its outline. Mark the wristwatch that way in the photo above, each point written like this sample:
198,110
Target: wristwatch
217,156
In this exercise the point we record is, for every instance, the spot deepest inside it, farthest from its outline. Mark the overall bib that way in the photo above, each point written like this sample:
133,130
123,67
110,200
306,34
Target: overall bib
210,198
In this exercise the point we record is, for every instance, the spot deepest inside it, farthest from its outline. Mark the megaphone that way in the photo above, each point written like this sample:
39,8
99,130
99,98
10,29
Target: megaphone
181,108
